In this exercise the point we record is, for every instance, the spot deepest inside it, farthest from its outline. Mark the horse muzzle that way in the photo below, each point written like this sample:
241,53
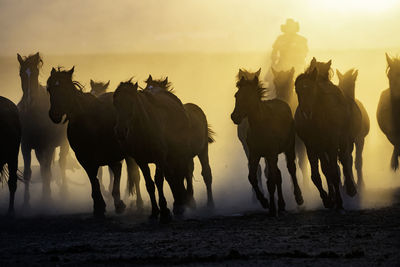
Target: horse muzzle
236,118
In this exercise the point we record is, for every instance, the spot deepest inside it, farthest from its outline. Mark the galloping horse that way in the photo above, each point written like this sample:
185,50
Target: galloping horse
347,83
10,138
38,131
91,122
271,131
389,109
154,128
200,136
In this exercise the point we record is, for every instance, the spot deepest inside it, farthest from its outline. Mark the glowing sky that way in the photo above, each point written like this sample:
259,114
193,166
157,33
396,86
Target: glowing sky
93,26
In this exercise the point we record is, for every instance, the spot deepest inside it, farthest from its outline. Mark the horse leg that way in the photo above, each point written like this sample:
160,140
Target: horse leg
189,185
302,160
207,175
253,164
291,166
100,177
259,181
316,178
99,206
26,153
272,183
45,158
176,181
150,189
326,169
12,182
346,159
134,178
359,162
165,214
118,203
335,178
112,177
64,149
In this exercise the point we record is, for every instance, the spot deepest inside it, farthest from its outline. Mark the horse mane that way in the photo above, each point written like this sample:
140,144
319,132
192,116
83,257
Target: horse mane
395,64
261,91
167,87
76,84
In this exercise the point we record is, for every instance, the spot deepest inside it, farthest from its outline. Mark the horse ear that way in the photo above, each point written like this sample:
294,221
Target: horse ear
329,63
355,74
150,79
71,71
255,79
91,83
53,71
340,75
107,84
135,86
241,75
274,72
314,74
313,61
165,82
20,60
258,72
389,60
37,56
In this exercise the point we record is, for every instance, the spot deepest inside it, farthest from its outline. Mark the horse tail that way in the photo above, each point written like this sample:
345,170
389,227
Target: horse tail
395,158
210,134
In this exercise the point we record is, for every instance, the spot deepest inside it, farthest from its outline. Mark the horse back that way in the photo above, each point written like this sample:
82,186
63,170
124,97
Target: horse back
198,127
385,117
10,130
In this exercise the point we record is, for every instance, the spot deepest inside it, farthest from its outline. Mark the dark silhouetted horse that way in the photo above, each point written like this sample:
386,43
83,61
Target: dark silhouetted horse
38,132
243,127
10,138
347,83
323,120
284,88
389,109
91,122
154,128
200,136
271,131
97,89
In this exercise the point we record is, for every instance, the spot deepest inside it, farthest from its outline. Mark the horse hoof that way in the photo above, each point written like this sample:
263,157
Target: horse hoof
165,217
299,199
264,203
179,210
351,189
139,205
327,203
120,207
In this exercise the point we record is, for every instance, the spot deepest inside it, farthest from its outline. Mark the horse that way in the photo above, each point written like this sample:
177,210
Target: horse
322,122
389,108
90,131
38,131
243,127
271,132
10,138
284,89
97,89
154,128
201,135
347,82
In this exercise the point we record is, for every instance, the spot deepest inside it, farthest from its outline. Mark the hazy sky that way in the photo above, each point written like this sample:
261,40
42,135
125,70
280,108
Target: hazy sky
93,26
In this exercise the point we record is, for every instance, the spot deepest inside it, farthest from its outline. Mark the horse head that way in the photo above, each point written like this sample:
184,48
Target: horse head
283,82
248,75
249,92
307,89
152,84
61,87
29,73
98,88
324,69
123,97
393,74
347,81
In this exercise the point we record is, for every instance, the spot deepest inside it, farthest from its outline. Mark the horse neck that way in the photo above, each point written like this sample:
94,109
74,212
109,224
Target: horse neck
255,114
80,104
142,116
285,93
32,91
348,90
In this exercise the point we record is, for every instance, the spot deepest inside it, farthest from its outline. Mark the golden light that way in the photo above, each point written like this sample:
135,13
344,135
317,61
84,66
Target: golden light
355,6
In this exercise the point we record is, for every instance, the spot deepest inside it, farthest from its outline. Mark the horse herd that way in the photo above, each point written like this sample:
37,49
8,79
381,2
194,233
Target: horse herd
151,125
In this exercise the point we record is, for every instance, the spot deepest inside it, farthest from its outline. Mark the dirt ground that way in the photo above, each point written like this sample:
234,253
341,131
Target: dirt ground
319,237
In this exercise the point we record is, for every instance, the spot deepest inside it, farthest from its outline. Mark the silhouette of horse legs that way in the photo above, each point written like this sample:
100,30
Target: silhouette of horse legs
274,181
326,169
45,158
64,149
118,203
189,185
359,162
253,165
110,185
291,165
316,178
133,174
155,211
165,214
175,175
302,160
346,159
99,206
207,176
12,181
26,153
